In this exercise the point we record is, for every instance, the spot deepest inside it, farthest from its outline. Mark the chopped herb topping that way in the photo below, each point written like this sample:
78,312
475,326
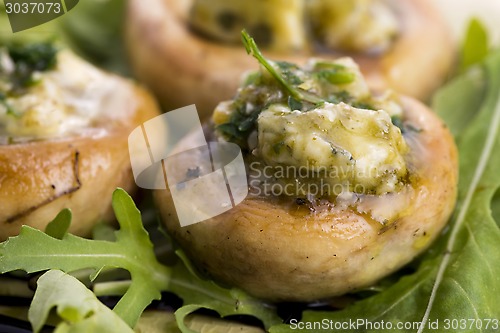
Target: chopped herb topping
288,70
27,59
294,104
336,76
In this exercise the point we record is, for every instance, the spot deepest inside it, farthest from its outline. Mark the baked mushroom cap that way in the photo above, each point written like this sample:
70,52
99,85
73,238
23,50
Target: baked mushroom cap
182,67
43,171
284,249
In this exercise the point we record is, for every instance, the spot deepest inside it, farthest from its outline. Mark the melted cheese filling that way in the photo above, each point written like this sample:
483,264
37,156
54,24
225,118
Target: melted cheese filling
342,148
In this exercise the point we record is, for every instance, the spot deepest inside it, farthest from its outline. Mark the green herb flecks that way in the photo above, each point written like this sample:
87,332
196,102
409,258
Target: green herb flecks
335,76
247,106
288,70
277,84
294,104
28,59
240,126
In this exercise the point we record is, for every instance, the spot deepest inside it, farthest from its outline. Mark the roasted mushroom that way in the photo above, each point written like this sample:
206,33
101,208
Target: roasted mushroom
64,126
345,185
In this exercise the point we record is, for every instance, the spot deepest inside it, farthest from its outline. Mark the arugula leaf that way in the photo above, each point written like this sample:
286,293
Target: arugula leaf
476,45
459,277
201,293
58,228
76,305
164,322
34,251
459,101
474,232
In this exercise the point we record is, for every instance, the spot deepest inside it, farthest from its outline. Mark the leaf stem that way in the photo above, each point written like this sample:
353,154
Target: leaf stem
253,50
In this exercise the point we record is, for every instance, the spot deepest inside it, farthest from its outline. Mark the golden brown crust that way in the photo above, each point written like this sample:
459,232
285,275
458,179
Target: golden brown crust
183,68
39,178
283,252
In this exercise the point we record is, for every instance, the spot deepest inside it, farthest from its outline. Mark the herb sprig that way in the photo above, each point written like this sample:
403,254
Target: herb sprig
298,94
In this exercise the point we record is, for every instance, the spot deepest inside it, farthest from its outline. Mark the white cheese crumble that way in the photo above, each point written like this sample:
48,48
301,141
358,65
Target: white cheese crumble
338,144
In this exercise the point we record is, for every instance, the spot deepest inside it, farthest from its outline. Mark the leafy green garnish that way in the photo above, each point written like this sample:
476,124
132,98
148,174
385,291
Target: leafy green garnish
34,251
476,45
335,76
202,293
281,82
241,124
278,83
459,276
77,306
59,227
34,56
293,104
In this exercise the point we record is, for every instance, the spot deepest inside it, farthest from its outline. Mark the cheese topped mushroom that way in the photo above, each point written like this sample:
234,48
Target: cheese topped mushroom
281,25
48,93
64,126
345,185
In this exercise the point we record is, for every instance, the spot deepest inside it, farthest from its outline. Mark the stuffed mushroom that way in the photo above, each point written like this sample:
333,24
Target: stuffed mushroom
345,185
64,126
